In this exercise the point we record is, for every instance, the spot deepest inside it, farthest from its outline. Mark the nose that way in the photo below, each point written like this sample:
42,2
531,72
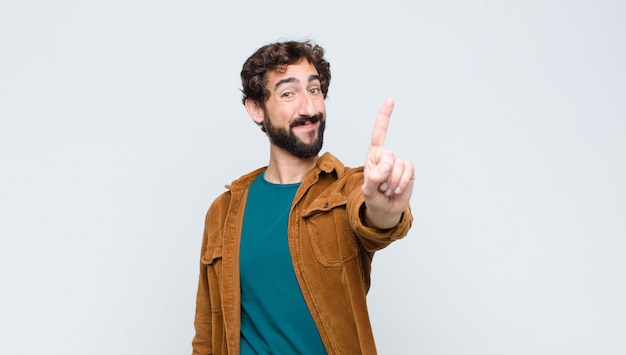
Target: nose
307,106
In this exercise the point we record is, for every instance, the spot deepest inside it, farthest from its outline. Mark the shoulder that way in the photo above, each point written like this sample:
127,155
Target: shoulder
334,175
244,181
233,189
328,163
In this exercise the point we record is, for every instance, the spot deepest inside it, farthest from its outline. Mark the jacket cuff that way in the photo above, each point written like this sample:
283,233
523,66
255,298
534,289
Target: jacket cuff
356,210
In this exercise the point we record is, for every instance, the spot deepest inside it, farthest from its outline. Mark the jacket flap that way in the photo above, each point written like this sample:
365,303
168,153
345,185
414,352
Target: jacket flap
211,255
325,203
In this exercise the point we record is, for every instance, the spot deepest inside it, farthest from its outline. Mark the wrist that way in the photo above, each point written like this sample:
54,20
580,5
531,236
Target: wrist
379,220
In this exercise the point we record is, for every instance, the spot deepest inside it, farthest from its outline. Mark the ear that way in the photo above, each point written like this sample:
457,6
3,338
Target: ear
255,111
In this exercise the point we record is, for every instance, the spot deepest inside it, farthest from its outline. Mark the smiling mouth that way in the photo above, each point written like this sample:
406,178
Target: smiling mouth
302,121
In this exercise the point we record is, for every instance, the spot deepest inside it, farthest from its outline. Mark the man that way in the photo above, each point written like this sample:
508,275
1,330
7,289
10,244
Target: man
287,250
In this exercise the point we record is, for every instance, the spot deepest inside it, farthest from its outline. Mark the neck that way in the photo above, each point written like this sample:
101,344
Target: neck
285,168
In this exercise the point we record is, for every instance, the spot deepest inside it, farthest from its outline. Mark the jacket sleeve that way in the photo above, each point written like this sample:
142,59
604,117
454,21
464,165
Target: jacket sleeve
371,238
201,343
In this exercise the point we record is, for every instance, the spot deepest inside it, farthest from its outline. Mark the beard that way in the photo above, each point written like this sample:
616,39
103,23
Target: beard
288,141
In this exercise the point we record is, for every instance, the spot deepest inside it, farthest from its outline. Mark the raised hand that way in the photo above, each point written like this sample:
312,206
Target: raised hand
389,179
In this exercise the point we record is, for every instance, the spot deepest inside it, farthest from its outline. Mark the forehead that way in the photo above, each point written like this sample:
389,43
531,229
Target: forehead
300,71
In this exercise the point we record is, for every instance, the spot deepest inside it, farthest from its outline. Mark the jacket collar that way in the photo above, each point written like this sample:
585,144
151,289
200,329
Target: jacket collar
327,163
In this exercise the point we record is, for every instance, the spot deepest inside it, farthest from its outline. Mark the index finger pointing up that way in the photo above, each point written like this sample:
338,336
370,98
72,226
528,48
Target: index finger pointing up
381,124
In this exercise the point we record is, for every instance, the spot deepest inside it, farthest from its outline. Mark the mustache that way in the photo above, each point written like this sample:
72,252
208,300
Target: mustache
304,119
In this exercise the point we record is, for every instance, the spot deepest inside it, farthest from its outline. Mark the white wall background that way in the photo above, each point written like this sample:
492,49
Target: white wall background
120,121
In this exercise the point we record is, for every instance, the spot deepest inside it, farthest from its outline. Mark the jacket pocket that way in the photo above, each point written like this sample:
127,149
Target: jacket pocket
212,258
329,231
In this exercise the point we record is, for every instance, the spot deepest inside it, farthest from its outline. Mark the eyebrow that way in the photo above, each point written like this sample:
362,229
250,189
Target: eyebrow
312,77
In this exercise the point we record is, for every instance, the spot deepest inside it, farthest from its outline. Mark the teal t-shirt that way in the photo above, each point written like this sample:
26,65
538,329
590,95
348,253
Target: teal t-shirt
274,315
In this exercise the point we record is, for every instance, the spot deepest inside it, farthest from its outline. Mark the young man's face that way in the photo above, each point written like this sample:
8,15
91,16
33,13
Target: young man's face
295,113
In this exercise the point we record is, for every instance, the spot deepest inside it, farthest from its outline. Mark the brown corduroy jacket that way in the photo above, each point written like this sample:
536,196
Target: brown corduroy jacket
331,250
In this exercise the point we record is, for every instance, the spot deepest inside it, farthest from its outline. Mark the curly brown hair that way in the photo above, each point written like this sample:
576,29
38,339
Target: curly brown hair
276,56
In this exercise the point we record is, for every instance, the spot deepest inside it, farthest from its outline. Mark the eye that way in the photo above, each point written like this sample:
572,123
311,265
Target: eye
287,94
315,91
